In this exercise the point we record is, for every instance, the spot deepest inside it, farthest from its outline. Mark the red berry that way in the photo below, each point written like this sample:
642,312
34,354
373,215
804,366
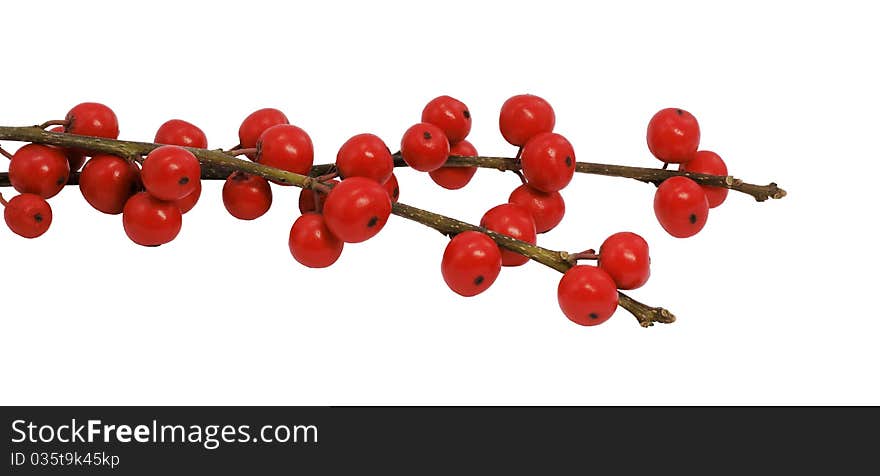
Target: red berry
673,135
28,215
311,242
182,133
392,188
515,221
548,162
546,208
525,116
454,178
471,263
246,196
312,200
624,256
707,162
450,115
424,147
286,147
39,169
75,158
188,202
170,172
365,155
92,119
107,182
149,221
255,124
587,295
357,209
681,206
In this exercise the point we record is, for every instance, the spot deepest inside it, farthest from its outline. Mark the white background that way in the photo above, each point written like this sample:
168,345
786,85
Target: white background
776,301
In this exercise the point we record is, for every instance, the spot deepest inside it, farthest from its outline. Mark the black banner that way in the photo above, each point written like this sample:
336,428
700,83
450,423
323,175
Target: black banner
414,440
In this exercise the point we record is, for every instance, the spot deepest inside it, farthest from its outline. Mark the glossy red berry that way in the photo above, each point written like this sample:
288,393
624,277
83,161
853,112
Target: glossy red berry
92,119
587,295
708,162
454,178
471,263
312,200
286,147
246,196
365,155
255,124
108,181
548,162
188,202
312,243
525,116
424,147
149,221
28,215
515,221
392,188
547,209
182,133
75,158
681,207
450,115
673,135
170,172
624,256
357,209
39,169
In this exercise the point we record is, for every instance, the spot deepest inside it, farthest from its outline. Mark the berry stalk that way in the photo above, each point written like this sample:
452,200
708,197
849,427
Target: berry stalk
216,164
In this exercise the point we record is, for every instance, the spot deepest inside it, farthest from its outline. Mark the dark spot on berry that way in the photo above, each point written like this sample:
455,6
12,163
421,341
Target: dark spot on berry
372,222
679,112
479,280
239,176
466,114
38,218
395,193
693,218
427,135
568,161
183,180
594,316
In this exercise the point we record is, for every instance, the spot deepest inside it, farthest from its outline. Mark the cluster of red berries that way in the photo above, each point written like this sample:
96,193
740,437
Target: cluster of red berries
353,202
151,200
39,172
680,204
472,260
353,210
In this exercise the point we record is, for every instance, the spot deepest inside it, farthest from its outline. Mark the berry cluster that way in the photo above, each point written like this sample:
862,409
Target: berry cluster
38,172
351,200
472,261
681,205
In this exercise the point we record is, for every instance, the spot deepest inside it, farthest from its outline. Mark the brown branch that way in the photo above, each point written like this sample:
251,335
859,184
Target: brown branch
218,165
642,174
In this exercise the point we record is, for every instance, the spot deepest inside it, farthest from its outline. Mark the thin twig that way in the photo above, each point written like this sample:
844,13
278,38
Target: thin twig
55,122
